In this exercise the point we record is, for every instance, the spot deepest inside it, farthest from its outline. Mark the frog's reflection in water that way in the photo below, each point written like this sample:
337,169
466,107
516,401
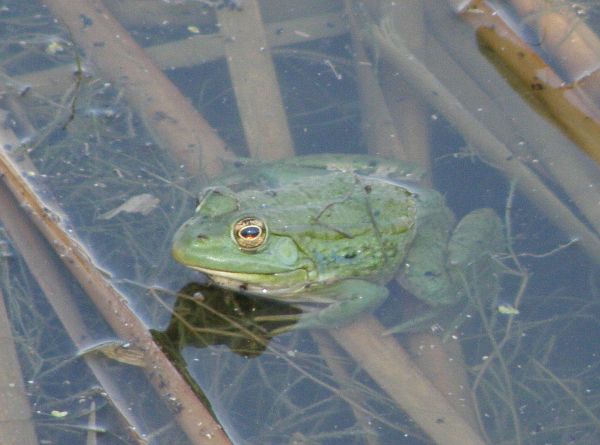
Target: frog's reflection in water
205,315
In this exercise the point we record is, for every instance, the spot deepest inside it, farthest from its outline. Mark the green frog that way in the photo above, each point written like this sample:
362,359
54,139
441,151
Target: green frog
327,233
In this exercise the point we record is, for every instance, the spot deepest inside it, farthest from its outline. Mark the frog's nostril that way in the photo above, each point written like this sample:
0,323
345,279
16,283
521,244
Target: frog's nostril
201,237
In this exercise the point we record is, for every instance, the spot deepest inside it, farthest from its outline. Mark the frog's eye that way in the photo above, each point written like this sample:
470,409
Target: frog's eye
250,233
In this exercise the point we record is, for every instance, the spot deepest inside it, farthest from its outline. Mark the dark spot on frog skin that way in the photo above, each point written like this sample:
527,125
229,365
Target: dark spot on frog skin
243,287
439,420
350,255
368,189
201,237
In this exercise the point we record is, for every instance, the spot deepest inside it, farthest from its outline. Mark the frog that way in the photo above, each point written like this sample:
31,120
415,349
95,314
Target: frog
327,233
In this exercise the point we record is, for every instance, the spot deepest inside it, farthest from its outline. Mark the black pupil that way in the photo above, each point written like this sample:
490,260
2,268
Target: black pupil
250,232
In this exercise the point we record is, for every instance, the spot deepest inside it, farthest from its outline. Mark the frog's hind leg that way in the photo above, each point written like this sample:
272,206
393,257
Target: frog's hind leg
473,253
425,273
451,275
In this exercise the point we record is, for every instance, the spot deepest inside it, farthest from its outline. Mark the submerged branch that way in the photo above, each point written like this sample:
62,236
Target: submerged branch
171,118
193,417
391,367
254,81
16,426
488,146
563,109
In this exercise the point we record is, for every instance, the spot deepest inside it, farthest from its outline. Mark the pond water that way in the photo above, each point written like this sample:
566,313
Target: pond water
121,155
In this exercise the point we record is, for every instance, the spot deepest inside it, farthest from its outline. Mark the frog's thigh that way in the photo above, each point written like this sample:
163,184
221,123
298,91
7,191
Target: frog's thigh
351,299
424,273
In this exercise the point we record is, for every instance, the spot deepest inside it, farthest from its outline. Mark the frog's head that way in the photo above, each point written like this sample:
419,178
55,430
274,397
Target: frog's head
236,248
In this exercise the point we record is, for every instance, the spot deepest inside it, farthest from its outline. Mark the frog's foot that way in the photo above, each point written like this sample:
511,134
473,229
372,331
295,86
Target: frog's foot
345,302
476,238
436,265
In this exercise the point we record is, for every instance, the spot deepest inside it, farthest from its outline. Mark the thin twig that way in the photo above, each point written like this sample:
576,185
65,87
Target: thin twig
584,408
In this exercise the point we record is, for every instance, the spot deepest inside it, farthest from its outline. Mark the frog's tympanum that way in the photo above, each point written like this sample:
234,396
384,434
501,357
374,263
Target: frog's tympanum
328,232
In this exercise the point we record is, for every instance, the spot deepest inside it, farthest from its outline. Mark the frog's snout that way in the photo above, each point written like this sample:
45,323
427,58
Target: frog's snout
183,239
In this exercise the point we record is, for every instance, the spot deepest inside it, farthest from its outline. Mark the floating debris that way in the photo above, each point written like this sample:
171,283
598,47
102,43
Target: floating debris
143,204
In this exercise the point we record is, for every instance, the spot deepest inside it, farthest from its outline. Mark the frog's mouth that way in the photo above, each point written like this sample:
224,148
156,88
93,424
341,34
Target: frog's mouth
275,284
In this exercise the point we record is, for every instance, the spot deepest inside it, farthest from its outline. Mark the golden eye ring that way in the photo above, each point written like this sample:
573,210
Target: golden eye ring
249,233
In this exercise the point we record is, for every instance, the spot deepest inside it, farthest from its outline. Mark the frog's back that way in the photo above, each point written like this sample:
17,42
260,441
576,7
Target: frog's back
349,225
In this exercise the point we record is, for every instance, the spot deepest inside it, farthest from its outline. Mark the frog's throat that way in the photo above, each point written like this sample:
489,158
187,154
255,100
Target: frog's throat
271,284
